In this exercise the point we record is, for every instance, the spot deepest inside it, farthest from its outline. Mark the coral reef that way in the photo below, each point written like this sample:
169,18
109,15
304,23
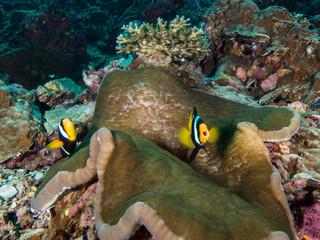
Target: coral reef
270,51
57,91
20,121
306,210
172,101
52,29
175,41
258,54
80,114
93,78
297,160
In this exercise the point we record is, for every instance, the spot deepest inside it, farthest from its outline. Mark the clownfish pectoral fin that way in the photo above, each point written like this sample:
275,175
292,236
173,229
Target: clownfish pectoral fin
185,137
54,144
194,154
214,135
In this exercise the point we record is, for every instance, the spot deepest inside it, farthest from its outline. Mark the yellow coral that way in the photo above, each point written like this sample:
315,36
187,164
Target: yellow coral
175,39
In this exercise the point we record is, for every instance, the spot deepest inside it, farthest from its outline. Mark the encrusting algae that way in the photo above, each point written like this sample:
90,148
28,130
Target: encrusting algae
235,194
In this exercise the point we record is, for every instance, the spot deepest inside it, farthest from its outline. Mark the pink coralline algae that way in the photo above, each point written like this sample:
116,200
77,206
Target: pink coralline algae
299,106
76,208
241,73
307,216
92,78
270,83
313,120
258,73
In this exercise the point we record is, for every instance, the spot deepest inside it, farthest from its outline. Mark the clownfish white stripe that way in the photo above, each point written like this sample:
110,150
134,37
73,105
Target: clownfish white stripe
196,134
66,152
63,133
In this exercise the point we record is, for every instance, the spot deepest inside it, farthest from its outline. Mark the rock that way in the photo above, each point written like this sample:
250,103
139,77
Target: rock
77,113
57,91
7,191
38,175
270,83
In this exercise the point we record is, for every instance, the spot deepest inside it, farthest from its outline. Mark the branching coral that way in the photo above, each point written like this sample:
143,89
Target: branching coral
176,40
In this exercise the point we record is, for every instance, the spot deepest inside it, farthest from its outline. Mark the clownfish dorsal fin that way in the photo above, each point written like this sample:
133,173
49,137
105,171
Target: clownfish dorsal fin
195,112
192,117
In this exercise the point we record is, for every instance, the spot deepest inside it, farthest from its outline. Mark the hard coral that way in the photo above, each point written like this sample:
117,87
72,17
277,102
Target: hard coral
175,40
20,121
271,45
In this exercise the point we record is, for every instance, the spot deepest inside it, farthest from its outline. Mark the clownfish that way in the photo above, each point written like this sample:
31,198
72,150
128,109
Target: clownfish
67,138
198,135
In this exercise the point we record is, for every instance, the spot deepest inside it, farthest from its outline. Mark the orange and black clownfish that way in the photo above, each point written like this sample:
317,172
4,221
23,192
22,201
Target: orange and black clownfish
198,135
67,138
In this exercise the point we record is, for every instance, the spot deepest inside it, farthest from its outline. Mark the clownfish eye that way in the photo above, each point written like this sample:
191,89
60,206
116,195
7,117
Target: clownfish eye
205,133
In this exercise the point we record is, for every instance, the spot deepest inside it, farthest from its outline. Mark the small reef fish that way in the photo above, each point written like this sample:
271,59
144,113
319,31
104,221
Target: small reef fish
126,55
67,138
198,135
